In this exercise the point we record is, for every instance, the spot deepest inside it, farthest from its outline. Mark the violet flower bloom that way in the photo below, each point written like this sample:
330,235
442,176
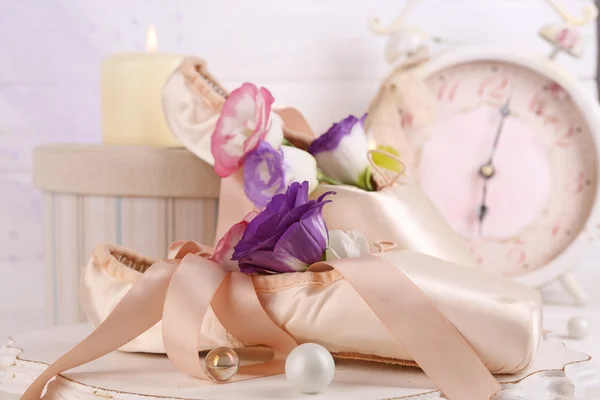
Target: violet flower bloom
263,174
341,152
268,172
288,236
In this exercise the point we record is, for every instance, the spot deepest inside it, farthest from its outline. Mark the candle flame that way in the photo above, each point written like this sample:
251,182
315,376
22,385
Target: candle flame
151,42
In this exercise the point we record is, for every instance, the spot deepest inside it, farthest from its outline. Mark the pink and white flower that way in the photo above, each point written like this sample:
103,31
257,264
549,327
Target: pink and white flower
225,247
245,120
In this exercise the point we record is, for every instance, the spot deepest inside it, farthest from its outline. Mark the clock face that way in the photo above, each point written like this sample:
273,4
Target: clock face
510,162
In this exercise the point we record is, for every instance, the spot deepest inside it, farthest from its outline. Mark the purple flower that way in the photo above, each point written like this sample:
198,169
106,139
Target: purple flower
331,139
288,236
263,174
268,172
341,152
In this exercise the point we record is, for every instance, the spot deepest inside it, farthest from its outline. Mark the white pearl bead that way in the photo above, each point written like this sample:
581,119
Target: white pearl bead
578,328
309,368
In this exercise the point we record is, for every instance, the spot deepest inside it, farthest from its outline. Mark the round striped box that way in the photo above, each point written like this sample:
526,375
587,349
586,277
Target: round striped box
135,196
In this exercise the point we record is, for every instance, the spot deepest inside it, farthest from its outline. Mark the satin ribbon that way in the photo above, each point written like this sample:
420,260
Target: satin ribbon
418,326
181,289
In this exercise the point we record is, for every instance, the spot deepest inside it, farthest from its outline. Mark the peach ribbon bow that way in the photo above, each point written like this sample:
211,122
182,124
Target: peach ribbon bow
179,290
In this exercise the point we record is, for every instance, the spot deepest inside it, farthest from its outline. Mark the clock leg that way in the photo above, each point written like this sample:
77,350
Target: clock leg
572,287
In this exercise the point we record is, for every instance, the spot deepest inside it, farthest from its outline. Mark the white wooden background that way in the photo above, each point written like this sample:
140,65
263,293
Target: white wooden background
315,54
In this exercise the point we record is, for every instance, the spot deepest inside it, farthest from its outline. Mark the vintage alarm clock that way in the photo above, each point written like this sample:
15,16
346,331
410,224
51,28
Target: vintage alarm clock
511,154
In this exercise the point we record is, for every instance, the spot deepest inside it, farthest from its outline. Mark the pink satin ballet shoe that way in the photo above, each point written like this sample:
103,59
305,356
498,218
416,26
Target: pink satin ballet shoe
500,319
192,101
401,213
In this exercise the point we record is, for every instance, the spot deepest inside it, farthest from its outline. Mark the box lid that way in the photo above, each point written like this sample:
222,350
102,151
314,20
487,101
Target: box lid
136,171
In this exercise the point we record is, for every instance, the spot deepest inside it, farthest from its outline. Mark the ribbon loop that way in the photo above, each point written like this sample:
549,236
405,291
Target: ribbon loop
190,293
239,310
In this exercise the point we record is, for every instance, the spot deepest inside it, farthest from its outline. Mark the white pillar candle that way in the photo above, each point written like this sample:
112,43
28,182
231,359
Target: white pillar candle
131,90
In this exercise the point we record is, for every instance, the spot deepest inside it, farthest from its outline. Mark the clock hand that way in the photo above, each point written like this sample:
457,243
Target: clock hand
488,170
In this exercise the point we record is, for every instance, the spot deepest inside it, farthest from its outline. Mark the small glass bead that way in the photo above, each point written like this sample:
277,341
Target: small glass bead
222,363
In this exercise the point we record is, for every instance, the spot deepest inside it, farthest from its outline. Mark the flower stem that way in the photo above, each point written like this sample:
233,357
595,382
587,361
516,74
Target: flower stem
364,180
322,178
